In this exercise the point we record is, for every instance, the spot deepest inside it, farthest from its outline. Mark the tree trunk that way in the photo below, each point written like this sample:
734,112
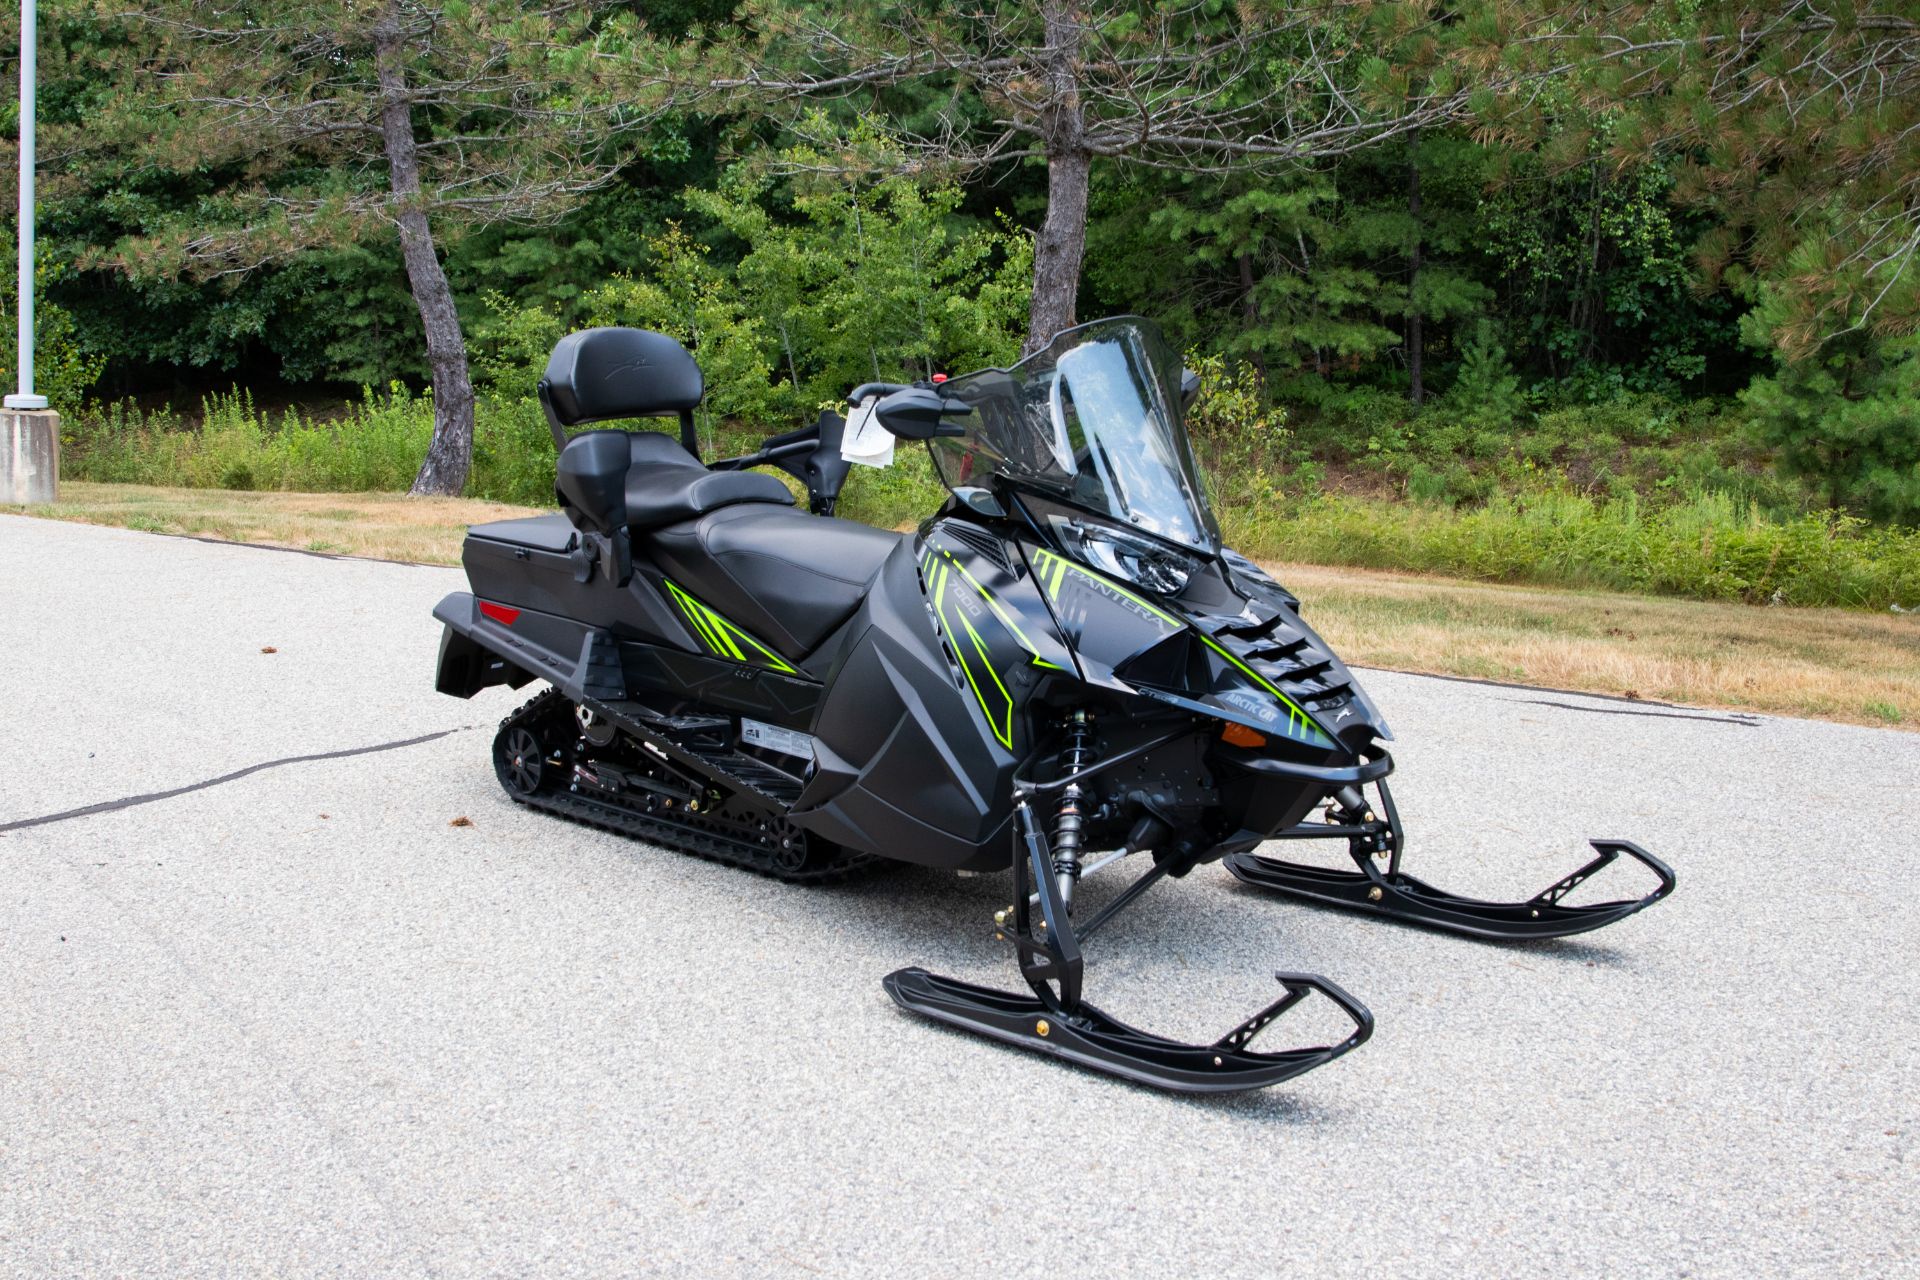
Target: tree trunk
1250,313
1416,335
1063,235
450,454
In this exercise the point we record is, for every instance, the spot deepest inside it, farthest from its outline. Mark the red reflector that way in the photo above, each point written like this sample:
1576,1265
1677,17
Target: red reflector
939,378
499,613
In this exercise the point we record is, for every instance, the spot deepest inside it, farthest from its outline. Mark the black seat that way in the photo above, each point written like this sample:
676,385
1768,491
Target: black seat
653,450
665,484
643,480
787,577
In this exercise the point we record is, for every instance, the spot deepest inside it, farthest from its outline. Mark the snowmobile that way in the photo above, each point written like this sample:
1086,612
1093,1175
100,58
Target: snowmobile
1062,668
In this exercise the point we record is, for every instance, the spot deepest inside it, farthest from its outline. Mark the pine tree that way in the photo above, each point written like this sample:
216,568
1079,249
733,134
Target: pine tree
1796,125
322,123
1196,88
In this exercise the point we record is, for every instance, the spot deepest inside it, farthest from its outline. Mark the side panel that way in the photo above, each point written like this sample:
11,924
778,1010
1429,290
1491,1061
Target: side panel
1125,641
486,643
547,581
913,764
999,634
723,637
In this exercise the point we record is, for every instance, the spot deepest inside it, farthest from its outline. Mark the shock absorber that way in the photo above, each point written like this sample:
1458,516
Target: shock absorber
1069,817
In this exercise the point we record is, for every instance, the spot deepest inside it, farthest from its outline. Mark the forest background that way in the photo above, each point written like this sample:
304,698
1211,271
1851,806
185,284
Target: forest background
1609,294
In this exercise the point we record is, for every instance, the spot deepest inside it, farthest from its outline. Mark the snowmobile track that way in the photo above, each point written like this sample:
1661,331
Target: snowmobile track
711,846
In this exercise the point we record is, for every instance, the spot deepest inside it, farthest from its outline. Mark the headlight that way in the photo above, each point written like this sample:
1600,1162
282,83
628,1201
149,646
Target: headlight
1129,556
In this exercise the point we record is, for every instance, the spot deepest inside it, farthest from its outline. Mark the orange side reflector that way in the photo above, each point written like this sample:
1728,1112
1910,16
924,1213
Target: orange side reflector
1238,735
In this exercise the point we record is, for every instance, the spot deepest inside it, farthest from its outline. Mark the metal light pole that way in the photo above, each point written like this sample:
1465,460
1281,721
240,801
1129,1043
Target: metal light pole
29,432
24,397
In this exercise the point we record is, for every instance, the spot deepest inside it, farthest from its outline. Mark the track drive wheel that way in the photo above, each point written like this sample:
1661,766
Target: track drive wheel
520,759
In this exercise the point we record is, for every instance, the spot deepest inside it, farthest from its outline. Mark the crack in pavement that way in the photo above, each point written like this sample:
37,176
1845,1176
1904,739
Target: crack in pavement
129,802
1749,722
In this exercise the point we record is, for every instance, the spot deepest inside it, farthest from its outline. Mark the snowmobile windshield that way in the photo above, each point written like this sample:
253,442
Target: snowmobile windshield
1092,418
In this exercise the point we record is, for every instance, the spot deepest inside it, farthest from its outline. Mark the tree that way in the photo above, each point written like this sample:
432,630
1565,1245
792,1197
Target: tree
322,123
1795,124
1846,416
1184,85
1302,273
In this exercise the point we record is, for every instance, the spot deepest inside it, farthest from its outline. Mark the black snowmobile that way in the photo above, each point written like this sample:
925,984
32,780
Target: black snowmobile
1061,668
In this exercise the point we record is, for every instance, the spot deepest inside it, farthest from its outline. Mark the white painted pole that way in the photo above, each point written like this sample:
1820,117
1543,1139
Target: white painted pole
25,398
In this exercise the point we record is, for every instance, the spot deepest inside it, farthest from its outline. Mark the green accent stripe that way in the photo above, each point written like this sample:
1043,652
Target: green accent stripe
942,579
720,628
1300,726
1001,612
773,659
694,614
724,638
1062,564
1000,731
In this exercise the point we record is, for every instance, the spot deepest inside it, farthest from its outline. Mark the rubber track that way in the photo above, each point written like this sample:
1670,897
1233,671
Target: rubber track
707,845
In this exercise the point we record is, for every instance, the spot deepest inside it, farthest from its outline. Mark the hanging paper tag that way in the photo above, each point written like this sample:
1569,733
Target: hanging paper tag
866,442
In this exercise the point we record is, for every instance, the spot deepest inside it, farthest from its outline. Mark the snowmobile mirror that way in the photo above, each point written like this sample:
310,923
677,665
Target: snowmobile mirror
915,413
1189,390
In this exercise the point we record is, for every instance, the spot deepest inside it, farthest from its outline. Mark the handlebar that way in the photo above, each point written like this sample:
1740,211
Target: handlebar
866,389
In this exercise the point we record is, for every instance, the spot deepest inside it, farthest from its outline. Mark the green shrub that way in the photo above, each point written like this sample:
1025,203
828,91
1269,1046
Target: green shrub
374,446
63,370
1848,418
1486,391
1707,547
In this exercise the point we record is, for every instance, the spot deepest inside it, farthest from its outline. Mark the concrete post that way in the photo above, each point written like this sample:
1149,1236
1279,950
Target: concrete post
29,456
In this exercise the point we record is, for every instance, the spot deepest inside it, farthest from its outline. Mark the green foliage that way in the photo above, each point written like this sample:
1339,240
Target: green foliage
837,287
373,446
1234,406
1848,419
1597,295
64,369
1485,391
1701,544
1581,281
686,297
1308,275
1707,548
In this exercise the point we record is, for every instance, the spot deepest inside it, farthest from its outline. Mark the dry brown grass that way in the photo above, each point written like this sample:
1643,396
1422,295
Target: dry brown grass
386,526
1829,663
1834,664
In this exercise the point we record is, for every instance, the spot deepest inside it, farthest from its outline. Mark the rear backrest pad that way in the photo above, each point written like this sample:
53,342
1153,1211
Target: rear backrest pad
597,374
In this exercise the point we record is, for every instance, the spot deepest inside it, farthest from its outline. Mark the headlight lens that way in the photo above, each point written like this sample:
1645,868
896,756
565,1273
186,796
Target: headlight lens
1130,556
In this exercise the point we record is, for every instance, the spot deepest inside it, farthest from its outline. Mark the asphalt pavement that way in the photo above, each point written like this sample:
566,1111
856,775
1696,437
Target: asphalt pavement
295,1022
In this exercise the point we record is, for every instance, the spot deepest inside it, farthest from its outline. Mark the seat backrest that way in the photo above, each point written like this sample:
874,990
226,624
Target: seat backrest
597,374
590,479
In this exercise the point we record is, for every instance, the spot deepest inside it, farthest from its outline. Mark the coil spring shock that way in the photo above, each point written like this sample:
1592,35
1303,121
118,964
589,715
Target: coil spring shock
1068,818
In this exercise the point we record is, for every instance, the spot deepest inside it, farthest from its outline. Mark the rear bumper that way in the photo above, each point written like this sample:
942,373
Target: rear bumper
467,665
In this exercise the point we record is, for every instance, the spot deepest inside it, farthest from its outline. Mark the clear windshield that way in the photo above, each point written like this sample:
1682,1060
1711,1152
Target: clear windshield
1093,418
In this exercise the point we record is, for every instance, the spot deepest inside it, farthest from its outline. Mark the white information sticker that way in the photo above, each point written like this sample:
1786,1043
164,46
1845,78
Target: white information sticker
771,736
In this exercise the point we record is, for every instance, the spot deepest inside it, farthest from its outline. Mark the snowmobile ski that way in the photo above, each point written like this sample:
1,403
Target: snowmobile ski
1392,893
1089,1038
1056,1021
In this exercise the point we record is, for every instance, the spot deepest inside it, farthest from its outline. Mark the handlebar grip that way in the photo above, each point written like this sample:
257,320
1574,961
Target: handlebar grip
866,389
